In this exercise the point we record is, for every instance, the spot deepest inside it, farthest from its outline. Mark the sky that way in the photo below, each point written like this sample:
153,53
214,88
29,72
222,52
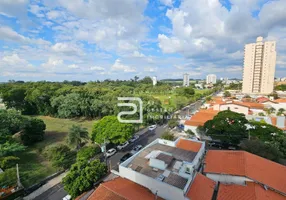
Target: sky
91,40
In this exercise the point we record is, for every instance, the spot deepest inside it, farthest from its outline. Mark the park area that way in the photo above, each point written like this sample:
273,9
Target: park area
33,165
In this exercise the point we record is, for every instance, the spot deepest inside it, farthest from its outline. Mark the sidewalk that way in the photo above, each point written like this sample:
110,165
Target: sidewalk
45,187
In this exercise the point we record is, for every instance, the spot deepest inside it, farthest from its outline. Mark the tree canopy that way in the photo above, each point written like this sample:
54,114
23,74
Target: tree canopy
77,135
227,126
82,176
110,129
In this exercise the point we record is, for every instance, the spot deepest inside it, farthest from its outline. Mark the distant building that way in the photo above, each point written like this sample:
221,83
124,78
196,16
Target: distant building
186,80
259,67
154,80
211,78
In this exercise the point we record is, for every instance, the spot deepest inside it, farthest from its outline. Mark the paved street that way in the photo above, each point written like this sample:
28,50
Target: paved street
144,139
55,193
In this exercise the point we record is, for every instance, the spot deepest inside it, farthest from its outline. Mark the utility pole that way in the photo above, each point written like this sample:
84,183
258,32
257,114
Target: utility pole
18,177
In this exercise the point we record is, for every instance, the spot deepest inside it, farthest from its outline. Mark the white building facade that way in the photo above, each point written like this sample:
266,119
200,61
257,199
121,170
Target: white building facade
211,78
259,67
154,79
186,80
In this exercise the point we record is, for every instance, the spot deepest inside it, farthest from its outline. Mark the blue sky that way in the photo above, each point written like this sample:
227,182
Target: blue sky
96,40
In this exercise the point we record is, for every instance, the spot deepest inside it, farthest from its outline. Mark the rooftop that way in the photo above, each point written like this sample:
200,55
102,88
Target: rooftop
201,117
121,189
202,188
251,191
242,163
283,100
159,159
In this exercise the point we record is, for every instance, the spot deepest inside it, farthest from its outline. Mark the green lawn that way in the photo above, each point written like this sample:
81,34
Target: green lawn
33,165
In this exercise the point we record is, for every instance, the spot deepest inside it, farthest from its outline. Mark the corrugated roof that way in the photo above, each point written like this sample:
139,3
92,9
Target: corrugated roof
202,188
251,191
242,163
189,145
121,189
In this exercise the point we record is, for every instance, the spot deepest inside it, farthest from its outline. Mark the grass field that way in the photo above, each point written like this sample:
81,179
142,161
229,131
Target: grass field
33,165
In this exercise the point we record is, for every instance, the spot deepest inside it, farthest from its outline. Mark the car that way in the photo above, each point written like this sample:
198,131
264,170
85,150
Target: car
68,197
152,127
125,157
216,144
110,152
122,146
134,138
136,149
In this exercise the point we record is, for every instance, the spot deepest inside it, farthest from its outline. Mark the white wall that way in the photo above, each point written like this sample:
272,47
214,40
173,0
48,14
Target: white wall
228,179
192,128
234,108
163,190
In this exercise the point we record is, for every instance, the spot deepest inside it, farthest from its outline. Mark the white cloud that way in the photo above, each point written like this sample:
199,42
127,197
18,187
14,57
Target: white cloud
150,69
167,2
67,48
7,34
53,62
12,8
96,68
14,62
37,10
118,66
73,66
137,54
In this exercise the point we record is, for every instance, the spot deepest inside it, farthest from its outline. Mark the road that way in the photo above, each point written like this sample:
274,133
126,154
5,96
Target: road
55,193
143,140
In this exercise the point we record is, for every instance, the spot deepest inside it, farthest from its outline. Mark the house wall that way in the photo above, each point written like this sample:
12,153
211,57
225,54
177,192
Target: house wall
228,179
163,190
256,111
234,108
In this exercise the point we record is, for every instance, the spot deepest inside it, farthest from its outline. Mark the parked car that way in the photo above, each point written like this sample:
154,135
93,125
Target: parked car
125,157
152,127
134,138
121,146
110,152
68,197
136,149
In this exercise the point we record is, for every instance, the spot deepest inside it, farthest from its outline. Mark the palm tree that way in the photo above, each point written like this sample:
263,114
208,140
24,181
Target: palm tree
280,111
77,135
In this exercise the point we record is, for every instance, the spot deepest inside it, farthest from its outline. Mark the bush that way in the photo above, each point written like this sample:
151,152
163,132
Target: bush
34,131
8,178
87,152
168,136
61,156
9,161
172,123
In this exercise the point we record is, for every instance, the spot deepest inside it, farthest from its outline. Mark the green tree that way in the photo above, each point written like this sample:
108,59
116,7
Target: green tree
281,111
168,136
61,156
190,133
34,131
208,98
11,121
82,176
110,129
87,152
8,178
261,114
172,123
262,149
226,94
9,162
77,135
227,126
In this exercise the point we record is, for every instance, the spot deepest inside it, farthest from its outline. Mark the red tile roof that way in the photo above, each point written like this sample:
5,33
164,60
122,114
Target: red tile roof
121,189
242,163
201,117
252,191
189,145
202,188
283,100
262,100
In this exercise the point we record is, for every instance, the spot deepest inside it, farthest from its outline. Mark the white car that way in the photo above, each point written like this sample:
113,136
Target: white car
152,127
68,197
110,152
136,149
121,146
134,138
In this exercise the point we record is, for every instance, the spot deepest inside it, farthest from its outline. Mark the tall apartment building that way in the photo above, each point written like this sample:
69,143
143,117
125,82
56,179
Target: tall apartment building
259,67
154,79
211,78
186,80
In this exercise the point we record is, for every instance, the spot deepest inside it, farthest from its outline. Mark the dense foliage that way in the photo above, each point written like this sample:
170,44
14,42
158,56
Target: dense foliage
34,131
172,123
82,176
8,178
110,129
87,152
281,87
227,126
61,156
168,136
